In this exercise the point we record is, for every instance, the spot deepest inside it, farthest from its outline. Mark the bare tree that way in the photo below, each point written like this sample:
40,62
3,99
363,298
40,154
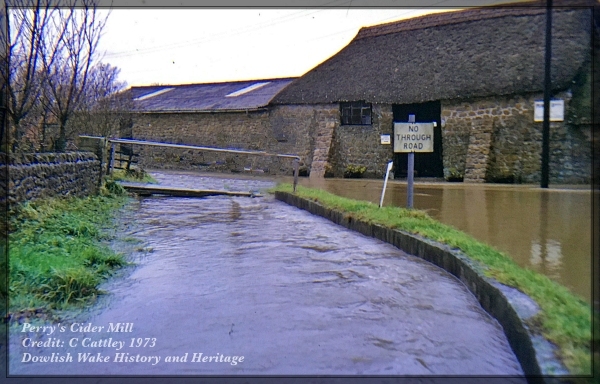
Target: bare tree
67,74
28,31
52,47
3,85
105,109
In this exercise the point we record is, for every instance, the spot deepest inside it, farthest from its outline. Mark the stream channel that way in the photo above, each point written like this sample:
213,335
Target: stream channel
251,286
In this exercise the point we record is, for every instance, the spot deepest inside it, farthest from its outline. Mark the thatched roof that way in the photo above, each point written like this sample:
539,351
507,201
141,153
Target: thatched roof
452,55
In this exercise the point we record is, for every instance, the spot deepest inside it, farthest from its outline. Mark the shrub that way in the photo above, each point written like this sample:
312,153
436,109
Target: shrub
354,171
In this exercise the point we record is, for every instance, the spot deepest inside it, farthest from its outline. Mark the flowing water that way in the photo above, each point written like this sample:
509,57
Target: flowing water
252,286
548,231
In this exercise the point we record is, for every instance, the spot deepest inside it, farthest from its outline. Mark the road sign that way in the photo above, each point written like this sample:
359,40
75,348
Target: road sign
413,137
557,110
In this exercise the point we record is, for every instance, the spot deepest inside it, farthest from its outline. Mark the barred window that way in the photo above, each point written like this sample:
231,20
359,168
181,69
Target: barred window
356,113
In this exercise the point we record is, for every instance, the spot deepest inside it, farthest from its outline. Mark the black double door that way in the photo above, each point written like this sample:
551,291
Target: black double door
426,164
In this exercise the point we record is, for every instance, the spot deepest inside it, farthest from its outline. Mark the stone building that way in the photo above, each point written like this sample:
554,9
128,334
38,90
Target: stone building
233,115
477,74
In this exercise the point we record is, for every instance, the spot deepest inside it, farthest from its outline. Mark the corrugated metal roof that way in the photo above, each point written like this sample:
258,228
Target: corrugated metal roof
238,95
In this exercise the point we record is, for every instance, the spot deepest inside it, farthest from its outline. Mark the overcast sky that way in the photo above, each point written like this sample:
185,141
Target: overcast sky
197,45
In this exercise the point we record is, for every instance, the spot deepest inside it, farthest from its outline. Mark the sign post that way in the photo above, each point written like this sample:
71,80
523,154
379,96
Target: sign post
411,180
409,138
411,168
296,171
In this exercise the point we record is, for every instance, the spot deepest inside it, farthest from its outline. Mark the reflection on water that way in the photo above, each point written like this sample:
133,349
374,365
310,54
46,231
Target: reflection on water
548,231
547,256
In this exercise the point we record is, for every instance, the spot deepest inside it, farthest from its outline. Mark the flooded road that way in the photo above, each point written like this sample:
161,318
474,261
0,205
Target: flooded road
252,286
548,231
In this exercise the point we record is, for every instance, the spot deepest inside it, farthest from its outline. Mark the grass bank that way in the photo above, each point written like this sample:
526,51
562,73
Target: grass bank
58,252
564,319
135,174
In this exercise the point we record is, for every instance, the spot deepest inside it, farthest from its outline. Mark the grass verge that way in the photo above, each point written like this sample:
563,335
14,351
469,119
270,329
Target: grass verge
564,318
57,252
137,175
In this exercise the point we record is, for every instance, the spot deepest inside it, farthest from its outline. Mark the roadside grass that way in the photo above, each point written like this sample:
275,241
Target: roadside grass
564,318
57,251
136,175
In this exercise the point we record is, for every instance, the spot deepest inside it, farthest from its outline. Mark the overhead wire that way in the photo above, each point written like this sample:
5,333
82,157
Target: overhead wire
394,17
227,34
253,28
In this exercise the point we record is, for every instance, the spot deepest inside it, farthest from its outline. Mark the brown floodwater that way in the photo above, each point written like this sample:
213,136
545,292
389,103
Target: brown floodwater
548,231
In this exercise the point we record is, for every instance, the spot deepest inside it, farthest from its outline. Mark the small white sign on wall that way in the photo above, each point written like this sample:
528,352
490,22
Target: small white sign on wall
557,111
386,139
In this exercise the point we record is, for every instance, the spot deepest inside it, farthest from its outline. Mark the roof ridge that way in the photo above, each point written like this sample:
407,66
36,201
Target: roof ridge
215,83
465,15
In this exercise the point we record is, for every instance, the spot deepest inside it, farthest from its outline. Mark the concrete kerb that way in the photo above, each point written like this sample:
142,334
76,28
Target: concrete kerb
510,307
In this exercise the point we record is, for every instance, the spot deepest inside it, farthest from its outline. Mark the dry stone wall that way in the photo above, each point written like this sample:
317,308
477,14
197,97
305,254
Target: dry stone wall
41,175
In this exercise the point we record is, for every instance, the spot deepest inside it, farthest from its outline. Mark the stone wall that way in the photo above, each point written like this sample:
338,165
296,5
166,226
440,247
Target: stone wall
483,140
361,144
281,129
311,131
496,140
40,175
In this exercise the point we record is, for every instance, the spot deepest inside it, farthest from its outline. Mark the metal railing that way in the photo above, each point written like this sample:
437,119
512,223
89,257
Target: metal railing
113,143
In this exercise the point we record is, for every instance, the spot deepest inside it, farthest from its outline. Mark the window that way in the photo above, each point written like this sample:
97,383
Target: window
356,113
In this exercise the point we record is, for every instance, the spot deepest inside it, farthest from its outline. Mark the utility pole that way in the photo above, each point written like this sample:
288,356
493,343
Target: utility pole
547,93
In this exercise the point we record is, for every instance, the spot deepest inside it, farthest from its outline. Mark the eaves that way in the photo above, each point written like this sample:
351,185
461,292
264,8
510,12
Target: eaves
172,111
